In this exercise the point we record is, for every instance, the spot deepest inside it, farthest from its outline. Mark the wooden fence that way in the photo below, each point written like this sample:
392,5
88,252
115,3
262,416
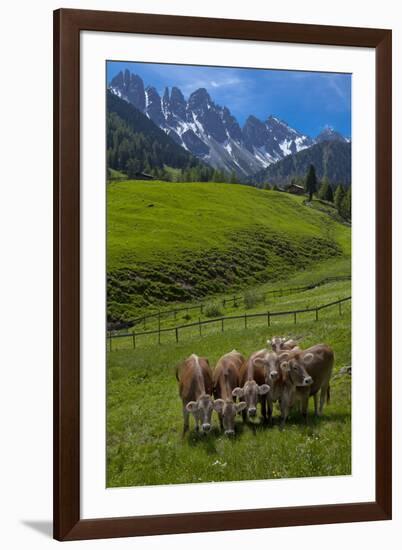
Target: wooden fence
234,301
220,321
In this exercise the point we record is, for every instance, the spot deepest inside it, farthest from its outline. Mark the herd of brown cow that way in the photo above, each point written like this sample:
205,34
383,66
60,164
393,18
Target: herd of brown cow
282,373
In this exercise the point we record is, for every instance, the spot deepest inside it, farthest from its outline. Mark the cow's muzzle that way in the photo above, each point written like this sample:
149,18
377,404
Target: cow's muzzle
229,432
252,411
274,375
308,381
206,427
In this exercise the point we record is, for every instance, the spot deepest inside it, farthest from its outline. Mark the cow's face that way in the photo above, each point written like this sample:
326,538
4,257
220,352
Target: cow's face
270,365
250,392
276,343
295,370
202,411
228,410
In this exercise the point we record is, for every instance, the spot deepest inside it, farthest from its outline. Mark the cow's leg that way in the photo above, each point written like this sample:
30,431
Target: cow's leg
244,415
221,420
270,409
264,407
304,406
284,412
316,404
323,395
186,415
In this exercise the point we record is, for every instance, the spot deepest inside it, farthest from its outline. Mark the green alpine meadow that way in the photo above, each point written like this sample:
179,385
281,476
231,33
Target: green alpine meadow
228,330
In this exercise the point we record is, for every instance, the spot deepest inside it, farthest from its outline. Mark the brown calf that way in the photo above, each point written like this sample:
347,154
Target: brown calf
318,361
195,389
252,388
284,376
225,380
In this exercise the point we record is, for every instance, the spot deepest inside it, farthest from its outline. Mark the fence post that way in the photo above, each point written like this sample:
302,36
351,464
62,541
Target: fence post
224,302
110,341
177,335
269,318
316,313
222,320
340,308
199,325
134,339
245,320
295,316
234,301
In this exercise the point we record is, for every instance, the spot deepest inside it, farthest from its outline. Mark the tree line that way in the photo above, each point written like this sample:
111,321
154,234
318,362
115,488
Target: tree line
337,194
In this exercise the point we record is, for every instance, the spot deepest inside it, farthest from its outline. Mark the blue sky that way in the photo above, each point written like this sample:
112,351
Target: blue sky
307,101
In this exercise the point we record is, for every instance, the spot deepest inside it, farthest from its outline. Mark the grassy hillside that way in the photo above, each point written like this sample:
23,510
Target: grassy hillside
178,242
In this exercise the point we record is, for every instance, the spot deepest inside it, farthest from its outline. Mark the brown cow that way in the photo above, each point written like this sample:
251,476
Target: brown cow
252,388
318,361
195,388
226,379
284,376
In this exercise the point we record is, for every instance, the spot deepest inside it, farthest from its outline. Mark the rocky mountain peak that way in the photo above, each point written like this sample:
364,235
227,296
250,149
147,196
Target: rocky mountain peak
177,103
254,132
329,134
130,87
153,106
199,99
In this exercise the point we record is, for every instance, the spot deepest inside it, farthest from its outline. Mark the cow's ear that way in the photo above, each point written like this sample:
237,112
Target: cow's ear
283,340
218,405
241,406
258,362
191,406
308,358
269,342
263,389
238,392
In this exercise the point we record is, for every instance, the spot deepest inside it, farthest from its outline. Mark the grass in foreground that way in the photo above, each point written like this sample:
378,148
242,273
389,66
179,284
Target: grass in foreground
144,420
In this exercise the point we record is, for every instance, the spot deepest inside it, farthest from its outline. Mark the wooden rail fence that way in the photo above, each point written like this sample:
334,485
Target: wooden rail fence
220,321
235,301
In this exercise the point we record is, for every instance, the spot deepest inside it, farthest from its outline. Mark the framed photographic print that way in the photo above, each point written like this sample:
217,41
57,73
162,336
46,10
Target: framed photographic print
222,336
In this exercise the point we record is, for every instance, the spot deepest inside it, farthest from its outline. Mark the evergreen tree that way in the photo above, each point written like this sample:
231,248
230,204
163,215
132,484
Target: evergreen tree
311,182
330,194
133,168
325,192
233,178
346,205
338,197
